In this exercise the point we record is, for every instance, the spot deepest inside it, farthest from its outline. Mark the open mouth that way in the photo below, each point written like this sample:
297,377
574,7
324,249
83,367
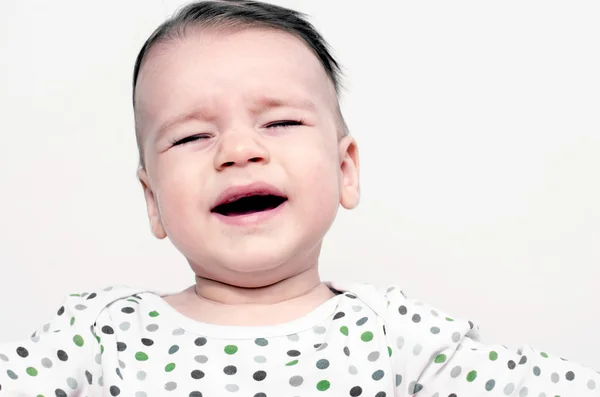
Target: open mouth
250,204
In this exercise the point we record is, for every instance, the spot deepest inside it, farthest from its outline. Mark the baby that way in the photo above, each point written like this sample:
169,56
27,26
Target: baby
244,160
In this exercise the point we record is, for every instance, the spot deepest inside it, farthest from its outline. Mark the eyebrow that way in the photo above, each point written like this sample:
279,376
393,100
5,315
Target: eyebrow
259,105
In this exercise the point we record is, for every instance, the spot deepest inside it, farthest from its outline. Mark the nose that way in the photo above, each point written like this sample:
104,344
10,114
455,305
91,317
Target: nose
240,149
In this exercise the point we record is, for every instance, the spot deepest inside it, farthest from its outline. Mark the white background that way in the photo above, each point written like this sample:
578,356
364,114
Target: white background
479,130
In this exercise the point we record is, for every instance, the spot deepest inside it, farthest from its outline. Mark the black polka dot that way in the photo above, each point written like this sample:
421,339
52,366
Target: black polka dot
511,364
259,375
471,324
230,370
318,345
147,342
200,341
339,315
62,355
356,391
402,310
351,296
60,312
22,352
260,395
195,394
89,377
128,310
60,393
92,296
380,394
121,347
384,330
197,374
115,391
416,318
523,360
452,395
570,375
293,353
346,351
108,330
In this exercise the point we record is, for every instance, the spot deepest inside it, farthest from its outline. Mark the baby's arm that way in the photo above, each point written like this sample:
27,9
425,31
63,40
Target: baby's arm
58,359
437,355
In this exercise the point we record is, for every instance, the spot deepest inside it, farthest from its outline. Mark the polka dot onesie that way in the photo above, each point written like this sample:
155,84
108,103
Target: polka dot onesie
363,342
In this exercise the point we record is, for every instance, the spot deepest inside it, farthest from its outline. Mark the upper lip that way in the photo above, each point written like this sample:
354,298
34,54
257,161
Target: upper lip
236,192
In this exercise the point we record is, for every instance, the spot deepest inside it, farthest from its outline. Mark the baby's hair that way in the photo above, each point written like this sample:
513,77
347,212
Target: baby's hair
235,15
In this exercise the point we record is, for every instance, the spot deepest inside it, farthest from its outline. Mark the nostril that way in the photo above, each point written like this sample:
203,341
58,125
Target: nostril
255,159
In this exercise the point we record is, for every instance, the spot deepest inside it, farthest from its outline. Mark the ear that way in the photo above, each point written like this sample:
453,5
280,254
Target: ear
156,225
349,169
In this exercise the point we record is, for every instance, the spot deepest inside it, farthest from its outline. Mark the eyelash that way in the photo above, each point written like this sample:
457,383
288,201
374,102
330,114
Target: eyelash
193,138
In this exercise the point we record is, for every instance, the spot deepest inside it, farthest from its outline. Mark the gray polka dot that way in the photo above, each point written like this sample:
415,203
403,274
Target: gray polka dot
357,308
319,330
72,383
121,364
591,384
80,307
296,380
46,362
261,342
201,359
374,356
232,388
554,377
489,385
170,386
178,331
417,349
35,339
434,313
152,327
11,374
400,342
108,288
46,327
456,371
435,330
260,359
293,337
352,369
378,375
542,394
98,359
508,389
362,321
536,371
3,357
140,394
322,364
141,375
124,326
524,391
456,337
101,381
323,346
398,380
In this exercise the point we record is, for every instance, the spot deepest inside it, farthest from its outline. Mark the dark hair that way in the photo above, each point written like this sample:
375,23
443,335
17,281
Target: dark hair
236,14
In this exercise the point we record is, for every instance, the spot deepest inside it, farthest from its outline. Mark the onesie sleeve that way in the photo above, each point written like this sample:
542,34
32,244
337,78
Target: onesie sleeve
55,359
434,354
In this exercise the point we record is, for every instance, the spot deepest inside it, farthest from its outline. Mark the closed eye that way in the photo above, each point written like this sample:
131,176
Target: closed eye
286,123
188,139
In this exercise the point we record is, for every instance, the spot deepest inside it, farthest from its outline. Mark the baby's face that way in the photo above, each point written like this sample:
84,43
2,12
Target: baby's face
247,113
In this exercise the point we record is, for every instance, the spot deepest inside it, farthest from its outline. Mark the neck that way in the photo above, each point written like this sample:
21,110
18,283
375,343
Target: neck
305,285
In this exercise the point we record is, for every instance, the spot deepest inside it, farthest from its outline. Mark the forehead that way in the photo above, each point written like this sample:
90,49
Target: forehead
216,69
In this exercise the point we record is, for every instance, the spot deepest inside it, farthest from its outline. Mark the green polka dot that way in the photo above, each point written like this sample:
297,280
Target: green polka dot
441,358
40,395
323,385
493,356
101,349
543,355
78,340
153,314
449,319
367,336
141,356
170,367
344,330
293,362
97,338
31,371
231,349
471,376
72,321
132,300
390,351
75,295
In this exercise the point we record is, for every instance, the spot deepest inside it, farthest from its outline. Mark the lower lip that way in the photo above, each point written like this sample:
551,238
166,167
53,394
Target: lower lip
253,219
